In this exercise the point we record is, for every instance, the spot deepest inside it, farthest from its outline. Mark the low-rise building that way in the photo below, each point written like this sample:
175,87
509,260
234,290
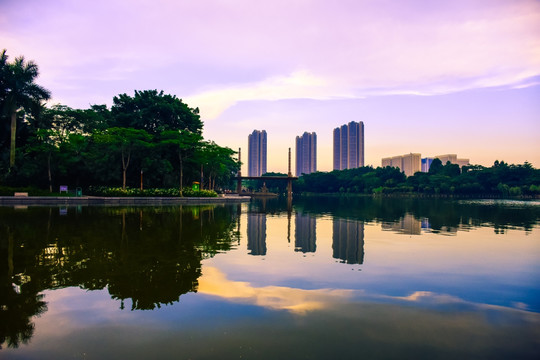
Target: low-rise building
408,163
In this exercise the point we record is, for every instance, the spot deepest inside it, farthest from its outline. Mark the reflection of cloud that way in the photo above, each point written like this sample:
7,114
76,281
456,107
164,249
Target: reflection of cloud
214,282
428,296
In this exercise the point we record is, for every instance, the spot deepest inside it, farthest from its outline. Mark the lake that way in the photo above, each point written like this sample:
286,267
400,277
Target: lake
321,278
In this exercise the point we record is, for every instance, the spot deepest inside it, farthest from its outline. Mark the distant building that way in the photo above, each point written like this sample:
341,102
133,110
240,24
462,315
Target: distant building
257,153
306,153
426,163
349,146
408,163
453,159
348,240
305,233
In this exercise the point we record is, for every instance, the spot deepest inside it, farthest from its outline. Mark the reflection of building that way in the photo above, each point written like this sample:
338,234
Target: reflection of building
408,163
306,153
348,241
305,233
408,224
256,233
349,146
257,153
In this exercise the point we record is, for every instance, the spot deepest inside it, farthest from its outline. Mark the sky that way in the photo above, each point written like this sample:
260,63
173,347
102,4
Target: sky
424,76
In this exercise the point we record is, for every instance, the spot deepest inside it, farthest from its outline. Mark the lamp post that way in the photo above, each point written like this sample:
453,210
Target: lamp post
141,180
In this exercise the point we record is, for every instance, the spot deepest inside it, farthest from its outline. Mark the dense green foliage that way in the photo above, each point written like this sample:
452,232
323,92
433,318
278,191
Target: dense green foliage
150,137
500,180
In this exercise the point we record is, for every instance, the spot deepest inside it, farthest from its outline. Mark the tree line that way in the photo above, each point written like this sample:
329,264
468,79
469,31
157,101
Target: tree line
149,139
501,179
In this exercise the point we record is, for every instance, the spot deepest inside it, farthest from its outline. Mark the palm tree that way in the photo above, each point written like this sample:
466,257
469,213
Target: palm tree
19,92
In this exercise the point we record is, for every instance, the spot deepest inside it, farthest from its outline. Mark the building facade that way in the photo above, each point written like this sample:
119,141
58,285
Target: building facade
306,153
257,145
349,146
408,163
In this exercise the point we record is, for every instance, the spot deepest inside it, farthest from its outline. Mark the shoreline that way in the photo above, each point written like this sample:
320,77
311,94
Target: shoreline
101,200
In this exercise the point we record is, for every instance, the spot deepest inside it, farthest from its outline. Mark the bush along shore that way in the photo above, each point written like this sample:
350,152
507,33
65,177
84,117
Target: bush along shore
132,192
104,191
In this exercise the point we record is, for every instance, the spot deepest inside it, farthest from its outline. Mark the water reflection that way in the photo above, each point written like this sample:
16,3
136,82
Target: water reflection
148,257
441,214
408,224
151,256
305,236
256,233
348,241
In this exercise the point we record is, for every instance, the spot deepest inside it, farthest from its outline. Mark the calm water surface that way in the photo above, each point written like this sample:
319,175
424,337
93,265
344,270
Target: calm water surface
323,278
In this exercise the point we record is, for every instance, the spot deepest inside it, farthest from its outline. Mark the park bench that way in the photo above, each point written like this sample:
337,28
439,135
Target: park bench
25,194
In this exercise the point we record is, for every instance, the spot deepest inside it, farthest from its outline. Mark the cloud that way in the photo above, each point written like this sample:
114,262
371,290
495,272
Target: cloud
359,52
284,49
298,85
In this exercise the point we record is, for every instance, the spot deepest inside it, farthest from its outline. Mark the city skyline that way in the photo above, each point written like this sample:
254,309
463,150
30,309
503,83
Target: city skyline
458,76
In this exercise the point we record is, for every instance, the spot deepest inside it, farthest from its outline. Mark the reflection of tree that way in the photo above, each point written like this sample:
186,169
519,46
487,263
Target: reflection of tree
18,304
151,259
16,310
440,213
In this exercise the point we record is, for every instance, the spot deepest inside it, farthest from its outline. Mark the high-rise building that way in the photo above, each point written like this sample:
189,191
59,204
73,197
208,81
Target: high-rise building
408,163
349,146
257,153
306,153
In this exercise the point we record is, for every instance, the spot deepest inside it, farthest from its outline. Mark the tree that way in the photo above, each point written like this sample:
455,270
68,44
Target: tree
125,141
184,143
436,166
18,92
218,164
154,112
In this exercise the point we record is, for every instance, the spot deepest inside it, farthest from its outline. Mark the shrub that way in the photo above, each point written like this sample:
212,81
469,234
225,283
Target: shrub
131,192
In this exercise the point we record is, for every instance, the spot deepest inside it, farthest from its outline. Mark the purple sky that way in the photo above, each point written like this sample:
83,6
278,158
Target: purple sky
434,77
